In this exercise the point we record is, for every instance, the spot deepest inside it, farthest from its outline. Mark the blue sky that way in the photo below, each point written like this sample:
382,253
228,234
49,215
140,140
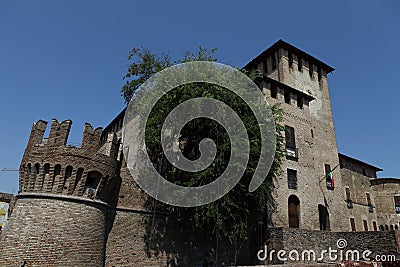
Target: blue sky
66,60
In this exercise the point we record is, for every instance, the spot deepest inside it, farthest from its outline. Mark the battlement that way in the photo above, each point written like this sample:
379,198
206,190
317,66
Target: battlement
51,166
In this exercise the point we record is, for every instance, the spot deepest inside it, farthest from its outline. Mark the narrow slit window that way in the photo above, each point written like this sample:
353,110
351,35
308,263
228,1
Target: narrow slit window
274,91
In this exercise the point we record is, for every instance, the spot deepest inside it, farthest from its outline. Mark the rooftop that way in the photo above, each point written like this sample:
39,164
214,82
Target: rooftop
282,44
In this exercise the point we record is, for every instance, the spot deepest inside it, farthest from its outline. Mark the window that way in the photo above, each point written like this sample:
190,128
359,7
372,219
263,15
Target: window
397,204
266,67
319,73
365,225
348,196
294,211
330,182
352,224
300,64
312,133
287,97
299,101
290,60
46,168
310,69
292,179
324,223
291,151
274,91
93,179
290,137
368,199
273,62
375,226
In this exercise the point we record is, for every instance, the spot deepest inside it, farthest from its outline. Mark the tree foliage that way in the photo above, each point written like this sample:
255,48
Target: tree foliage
238,213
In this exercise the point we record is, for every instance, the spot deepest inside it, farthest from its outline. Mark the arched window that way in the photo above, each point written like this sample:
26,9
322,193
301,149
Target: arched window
294,211
324,223
391,227
93,179
46,168
29,168
387,227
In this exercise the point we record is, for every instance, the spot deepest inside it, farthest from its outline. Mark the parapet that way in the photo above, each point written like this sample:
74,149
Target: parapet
51,166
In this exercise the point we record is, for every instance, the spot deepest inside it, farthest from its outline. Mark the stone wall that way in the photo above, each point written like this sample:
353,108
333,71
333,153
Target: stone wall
51,231
358,184
384,191
379,243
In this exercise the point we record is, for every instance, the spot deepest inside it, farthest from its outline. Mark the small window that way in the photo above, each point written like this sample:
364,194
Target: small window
365,225
46,168
300,101
311,69
319,73
348,196
93,179
266,67
364,172
274,91
57,170
375,226
290,60
287,97
290,137
353,224
273,62
292,179
312,133
397,204
368,199
300,64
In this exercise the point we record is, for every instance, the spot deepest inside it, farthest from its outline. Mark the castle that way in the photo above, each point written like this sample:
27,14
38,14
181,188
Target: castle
79,206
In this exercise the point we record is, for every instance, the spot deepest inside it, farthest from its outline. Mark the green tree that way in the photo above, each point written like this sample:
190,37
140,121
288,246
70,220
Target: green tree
239,213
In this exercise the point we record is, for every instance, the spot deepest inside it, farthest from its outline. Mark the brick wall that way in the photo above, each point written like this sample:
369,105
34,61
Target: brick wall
46,231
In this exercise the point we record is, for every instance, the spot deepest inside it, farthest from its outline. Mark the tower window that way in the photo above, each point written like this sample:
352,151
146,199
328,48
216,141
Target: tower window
273,62
292,179
365,225
397,204
319,73
368,199
266,67
299,101
300,64
311,69
348,196
290,60
287,97
353,224
289,137
274,91
291,150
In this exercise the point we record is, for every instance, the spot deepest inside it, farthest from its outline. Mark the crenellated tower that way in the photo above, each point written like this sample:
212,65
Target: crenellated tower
60,215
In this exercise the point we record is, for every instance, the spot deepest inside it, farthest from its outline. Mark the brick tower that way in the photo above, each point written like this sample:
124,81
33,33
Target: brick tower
60,215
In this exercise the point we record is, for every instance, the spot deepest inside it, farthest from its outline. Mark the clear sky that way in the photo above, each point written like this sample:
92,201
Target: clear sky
66,60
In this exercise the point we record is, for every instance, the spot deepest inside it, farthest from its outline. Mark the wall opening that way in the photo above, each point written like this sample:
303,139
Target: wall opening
324,223
294,211
93,179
